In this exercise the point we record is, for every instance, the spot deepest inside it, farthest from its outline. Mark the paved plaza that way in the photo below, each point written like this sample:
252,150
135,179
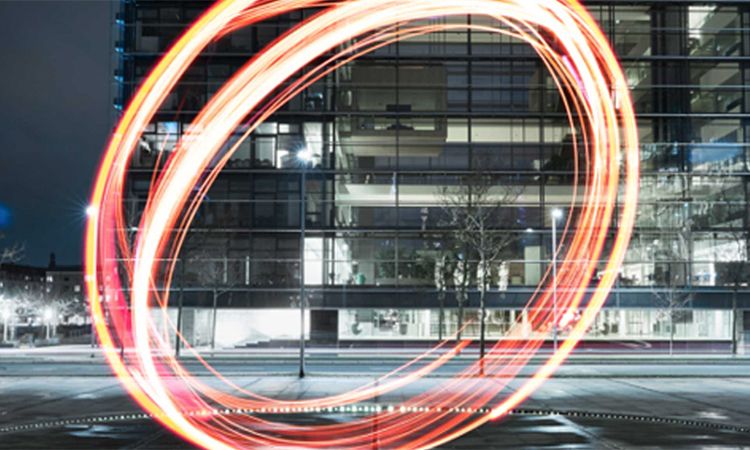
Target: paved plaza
73,403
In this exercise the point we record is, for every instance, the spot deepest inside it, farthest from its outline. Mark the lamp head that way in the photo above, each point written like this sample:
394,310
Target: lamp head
305,155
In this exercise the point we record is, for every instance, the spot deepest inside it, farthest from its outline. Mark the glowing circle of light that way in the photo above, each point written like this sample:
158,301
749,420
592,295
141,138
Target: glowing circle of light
594,89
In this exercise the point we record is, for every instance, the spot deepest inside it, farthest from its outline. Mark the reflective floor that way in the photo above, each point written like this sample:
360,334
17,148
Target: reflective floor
519,432
586,408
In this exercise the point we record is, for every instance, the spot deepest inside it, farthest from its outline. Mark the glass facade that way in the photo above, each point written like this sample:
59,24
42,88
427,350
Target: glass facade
395,138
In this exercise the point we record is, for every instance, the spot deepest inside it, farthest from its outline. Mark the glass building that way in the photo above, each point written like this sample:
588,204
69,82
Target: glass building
366,231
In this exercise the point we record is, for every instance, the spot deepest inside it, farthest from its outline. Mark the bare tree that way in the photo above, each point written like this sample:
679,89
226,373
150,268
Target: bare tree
670,277
8,306
475,213
212,269
441,284
57,312
7,311
732,259
735,273
12,253
216,275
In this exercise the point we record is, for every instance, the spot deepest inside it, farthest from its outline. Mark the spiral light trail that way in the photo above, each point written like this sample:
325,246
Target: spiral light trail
127,277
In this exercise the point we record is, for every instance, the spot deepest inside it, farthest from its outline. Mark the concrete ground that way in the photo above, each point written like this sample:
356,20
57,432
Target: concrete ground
49,402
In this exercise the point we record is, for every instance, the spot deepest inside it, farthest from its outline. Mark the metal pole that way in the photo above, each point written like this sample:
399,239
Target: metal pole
303,203
180,298
554,282
122,346
93,335
213,321
734,319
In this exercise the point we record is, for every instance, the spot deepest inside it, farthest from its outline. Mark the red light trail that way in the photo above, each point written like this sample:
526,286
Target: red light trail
123,275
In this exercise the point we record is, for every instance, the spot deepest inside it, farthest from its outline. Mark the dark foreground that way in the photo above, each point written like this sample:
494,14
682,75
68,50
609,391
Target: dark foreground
663,404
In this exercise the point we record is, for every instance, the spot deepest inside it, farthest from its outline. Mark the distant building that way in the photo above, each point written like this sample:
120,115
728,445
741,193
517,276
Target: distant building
33,296
17,279
51,283
64,282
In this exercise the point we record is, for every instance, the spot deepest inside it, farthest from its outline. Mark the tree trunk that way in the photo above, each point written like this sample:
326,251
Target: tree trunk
482,313
213,321
441,315
671,329
482,327
460,315
462,296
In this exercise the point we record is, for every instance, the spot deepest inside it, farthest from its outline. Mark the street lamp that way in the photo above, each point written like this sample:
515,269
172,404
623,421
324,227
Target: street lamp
305,156
6,315
48,314
90,211
556,215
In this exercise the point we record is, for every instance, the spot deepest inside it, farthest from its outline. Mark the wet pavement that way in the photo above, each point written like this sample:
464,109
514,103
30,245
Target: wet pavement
604,408
517,432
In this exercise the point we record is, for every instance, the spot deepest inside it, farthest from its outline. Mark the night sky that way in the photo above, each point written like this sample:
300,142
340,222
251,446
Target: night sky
56,99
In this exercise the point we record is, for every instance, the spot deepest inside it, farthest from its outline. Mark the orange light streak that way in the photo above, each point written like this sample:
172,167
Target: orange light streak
594,91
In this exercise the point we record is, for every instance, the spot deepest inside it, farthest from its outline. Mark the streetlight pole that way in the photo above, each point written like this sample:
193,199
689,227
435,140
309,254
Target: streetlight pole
556,214
180,300
47,322
6,321
5,312
305,156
